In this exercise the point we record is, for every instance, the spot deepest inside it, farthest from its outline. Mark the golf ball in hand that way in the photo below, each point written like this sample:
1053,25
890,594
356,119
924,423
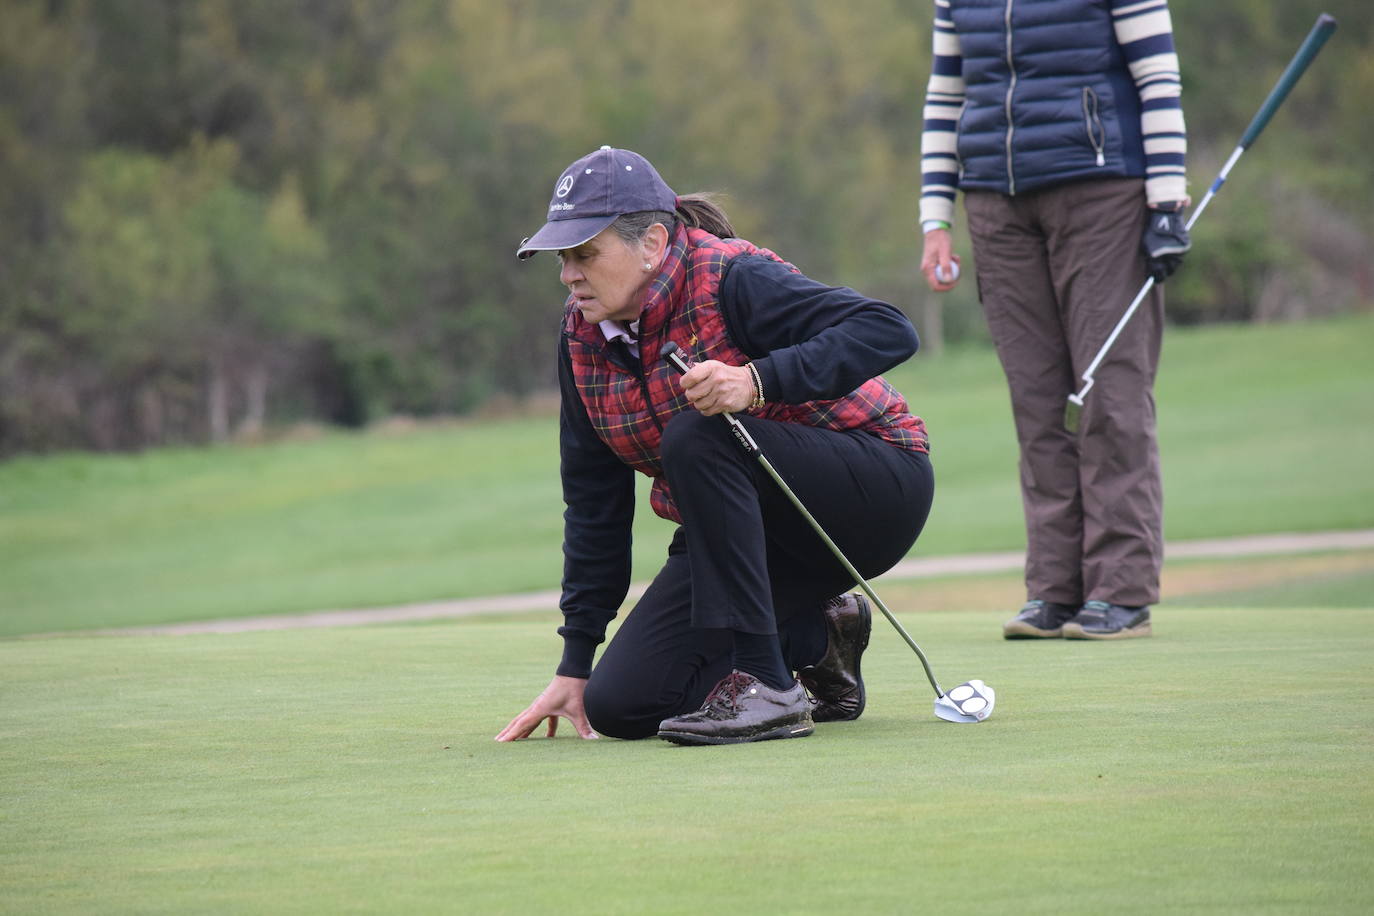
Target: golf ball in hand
947,277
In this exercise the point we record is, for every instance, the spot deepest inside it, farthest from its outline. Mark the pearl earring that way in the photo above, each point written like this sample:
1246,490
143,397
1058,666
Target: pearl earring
648,266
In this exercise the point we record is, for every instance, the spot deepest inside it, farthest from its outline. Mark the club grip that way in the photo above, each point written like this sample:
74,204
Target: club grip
1321,31
673,354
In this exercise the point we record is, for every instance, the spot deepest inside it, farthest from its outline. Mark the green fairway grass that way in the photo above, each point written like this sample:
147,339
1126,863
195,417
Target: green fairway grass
1263,429
1332,580
1222,766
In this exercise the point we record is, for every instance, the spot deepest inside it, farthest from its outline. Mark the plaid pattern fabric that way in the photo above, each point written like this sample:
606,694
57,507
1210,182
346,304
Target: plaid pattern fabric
628,409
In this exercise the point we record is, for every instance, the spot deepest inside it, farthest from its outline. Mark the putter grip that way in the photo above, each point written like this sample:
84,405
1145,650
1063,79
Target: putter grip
673,355
1321,31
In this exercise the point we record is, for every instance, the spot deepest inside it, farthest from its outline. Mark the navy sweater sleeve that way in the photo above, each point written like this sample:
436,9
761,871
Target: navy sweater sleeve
598,491
810,341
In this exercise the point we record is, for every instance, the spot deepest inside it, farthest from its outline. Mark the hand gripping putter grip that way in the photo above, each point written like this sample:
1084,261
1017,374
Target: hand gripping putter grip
1321,31
971,701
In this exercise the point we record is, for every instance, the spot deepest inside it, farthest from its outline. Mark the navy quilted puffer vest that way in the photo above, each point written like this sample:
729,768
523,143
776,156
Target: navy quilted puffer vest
1049,97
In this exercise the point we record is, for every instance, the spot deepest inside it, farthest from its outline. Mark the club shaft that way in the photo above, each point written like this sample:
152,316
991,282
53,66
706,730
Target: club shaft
844,561
1321,31
747,442
1088,374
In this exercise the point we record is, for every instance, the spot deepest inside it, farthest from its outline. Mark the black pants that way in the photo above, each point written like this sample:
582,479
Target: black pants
745,559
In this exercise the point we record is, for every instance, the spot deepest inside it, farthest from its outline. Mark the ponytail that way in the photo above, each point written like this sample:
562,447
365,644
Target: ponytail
695,211
700,211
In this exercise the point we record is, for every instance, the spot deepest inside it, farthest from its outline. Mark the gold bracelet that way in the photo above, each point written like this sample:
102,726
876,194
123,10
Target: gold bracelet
758,387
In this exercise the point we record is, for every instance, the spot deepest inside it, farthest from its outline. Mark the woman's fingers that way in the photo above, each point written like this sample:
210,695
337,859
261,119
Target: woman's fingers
524,725
521,726
561,699
939,264
583,727
712,387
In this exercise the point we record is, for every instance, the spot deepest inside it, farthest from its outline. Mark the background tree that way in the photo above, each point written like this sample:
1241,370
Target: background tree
220,215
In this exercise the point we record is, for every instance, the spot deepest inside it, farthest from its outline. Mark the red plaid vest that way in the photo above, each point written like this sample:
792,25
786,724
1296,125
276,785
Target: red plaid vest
629,410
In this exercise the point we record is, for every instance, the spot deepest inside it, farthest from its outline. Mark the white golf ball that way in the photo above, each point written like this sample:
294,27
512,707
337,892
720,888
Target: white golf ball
950,277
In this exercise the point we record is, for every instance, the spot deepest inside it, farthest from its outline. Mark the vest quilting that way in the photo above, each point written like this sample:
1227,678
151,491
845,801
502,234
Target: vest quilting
628,407
1049,98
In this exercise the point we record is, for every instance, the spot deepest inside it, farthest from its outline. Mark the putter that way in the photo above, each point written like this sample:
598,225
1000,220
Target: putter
971,701
1321,31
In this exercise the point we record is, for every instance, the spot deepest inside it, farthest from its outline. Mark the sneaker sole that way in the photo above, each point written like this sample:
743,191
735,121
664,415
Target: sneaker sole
1019,629
1076,631
786,731
858,659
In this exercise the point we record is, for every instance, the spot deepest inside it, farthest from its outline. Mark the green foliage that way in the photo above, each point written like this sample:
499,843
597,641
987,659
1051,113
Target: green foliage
223,214
1281,239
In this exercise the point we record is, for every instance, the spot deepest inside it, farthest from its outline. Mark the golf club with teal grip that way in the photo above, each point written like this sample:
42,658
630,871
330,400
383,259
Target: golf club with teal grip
1316,38
952,707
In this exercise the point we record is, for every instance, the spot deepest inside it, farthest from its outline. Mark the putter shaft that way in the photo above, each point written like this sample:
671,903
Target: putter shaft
674,355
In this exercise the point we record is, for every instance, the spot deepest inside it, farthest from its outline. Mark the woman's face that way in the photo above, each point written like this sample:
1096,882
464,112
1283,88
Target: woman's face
606,277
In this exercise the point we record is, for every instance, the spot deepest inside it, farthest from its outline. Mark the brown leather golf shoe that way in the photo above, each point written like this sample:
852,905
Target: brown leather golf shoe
834,681
742,708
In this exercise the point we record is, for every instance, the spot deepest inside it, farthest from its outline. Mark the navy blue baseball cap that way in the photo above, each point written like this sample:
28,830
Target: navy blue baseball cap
592,192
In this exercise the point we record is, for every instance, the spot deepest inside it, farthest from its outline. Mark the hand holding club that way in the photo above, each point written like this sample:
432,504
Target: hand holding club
1165,242
712,387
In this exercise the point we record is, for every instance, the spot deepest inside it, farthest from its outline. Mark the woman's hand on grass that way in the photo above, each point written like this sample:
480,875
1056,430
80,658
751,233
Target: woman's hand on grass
563,697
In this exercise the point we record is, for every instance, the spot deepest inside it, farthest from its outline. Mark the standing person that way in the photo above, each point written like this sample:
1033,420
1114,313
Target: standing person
1061,123
747,595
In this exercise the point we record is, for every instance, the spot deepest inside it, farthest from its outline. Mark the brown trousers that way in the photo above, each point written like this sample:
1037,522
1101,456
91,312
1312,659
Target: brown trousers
1056,270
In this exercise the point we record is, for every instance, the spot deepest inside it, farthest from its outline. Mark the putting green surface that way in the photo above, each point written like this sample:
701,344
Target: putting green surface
1222,766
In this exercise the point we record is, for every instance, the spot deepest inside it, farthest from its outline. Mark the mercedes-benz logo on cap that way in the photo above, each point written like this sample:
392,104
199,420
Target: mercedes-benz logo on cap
564,186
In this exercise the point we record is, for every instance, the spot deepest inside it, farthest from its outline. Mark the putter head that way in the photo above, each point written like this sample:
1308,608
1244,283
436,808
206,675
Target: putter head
970,702
1072,410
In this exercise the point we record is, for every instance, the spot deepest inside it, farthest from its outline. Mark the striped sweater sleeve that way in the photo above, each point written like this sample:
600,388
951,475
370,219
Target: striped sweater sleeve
940,120
1145,33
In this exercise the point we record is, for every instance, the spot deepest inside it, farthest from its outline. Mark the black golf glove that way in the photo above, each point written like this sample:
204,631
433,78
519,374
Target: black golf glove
1165,241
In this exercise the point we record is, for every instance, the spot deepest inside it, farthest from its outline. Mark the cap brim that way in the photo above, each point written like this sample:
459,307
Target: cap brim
559,234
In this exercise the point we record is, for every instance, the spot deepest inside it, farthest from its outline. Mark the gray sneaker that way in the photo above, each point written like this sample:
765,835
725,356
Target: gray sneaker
1101,620
1038,620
